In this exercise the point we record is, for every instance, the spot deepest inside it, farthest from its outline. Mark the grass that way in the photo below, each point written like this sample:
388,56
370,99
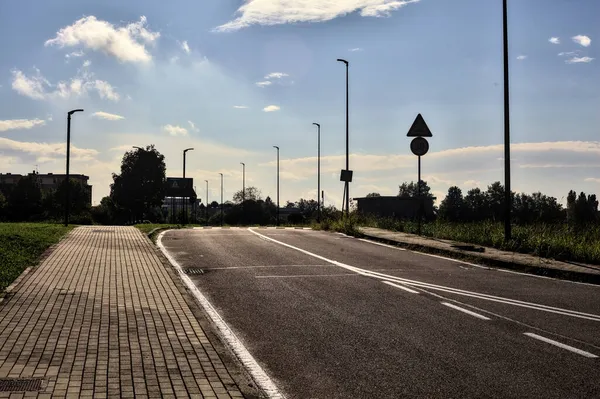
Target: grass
560,241
21,245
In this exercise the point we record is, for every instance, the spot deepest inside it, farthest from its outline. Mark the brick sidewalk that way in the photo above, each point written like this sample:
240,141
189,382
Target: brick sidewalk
102,317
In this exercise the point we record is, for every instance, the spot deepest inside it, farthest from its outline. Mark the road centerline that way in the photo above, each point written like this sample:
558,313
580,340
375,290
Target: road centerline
479,316
561,345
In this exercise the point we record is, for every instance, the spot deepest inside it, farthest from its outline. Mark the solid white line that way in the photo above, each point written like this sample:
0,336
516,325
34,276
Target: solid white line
560,345
482,317
258,374
401,287
381,245
309,275
255,267
456,291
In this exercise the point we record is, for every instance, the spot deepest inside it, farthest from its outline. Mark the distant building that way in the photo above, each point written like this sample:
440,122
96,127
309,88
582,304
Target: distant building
47,182
394,207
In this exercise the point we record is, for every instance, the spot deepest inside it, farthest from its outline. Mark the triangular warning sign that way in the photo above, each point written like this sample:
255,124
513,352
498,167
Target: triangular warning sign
419,128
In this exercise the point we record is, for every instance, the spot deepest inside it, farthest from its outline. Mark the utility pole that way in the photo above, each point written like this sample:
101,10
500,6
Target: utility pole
318,171
507,192
206,202
221,199
277,184
243,182
347,184
68,177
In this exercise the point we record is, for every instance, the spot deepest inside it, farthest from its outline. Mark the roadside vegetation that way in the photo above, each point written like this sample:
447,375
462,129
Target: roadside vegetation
21,245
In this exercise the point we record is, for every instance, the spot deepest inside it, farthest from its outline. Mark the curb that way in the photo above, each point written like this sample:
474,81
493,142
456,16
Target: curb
520,267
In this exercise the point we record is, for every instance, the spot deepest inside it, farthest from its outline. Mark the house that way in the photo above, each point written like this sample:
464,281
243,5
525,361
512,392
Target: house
47,182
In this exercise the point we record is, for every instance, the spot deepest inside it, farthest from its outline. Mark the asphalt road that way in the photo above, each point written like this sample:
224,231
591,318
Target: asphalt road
319,313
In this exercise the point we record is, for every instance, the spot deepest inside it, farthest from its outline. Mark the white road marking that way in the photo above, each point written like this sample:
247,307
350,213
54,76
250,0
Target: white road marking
381,245
401,287
309,275
561,345
479,316
255,267
258,374
451,290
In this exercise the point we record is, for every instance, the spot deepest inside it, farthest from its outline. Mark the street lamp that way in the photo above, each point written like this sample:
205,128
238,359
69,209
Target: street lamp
277,184
67,178
507,196
318,171
243,182
221,199
347,185
206,202
184,204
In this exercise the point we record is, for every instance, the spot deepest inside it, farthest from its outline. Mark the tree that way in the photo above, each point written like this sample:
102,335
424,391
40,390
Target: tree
371,195
3,205
25,199
214,204
476,205
141,184
411,190
583,210
79,196
252,193
453,207
495,197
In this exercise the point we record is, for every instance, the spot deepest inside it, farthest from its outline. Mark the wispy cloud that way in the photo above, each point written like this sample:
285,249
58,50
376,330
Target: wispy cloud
74,54
264,83
582,40
86,63
277,12
355,49
569,53
49,150
240,107
554,40
579,60
521,57
185,47
15,124
126,43
107,116
593,179
271,108
193,126
175,130
276,75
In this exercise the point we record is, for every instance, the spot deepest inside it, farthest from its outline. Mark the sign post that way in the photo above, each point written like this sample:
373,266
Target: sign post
419,146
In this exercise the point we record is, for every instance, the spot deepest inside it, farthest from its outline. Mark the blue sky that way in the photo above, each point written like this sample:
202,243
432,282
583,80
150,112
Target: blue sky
232,78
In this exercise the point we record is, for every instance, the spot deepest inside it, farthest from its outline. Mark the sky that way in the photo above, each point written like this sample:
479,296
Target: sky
233,78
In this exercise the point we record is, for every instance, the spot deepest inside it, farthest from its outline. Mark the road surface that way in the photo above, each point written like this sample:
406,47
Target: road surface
330,316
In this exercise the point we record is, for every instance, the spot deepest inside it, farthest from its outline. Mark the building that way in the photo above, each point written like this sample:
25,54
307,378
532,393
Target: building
394,207
48,182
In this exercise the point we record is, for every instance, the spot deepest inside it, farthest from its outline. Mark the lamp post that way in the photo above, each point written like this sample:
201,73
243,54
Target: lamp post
221,199
277,184
347,185
318,171
206,202
507,196
67,177
184,204
243,182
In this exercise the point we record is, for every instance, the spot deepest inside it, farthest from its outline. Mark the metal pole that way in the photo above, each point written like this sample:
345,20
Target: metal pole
221,199
419,198
507,191
183,203
347,142
68,177
318,171
206,202
277,183
243,182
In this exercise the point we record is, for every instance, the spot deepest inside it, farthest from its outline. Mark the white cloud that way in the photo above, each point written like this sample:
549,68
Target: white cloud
264,84
126,43
569,53
185,47
578,60
193,126
276,75
521,57
593,179
107,116
14,124
86,63
355,49
240,107
38,88
276,12
582,40
175,130
271,108
554,40
75,54
48,150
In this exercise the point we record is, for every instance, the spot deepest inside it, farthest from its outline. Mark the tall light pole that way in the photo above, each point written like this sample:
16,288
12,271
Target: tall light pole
347,188
206,202
221,199
507,193
277,184
184,204
318,171
243,182
67,177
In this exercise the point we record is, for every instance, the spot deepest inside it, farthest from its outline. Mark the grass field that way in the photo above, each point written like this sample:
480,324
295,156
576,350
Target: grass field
21,244
560,241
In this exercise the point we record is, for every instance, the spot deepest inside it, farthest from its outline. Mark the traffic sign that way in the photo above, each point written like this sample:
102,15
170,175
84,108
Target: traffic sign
419,128
419,146
346,176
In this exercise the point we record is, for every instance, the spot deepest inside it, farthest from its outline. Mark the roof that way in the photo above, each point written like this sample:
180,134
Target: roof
387,197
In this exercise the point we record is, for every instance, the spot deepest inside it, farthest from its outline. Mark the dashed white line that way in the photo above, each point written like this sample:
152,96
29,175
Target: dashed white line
401,287
479,316
561,345
309,275
381,245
